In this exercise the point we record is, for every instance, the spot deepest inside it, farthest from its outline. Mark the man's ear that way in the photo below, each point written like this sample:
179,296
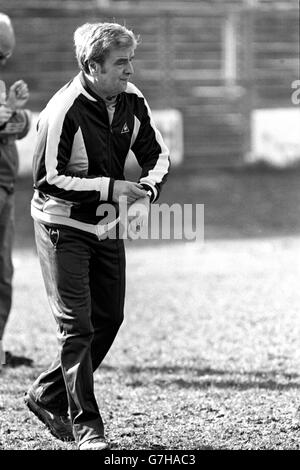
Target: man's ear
93,67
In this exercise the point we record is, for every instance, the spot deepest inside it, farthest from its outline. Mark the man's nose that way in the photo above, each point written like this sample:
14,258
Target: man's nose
129,68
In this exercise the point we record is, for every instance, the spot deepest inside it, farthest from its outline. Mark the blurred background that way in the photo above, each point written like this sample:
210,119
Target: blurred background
212,70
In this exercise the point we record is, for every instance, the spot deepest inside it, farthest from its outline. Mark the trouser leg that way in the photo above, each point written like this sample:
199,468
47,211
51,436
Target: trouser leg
107,289
6,266
107,286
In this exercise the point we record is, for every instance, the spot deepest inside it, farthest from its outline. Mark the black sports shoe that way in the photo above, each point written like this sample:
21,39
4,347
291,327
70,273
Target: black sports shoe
59,426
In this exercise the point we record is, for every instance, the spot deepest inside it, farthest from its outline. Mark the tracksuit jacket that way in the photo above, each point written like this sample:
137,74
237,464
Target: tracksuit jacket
9,158
80,153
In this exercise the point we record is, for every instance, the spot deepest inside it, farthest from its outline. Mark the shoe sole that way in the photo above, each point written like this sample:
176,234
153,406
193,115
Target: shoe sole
36,410
103,446
95,448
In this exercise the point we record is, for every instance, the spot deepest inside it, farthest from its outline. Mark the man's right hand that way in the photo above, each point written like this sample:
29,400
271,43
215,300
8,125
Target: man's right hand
5,114
132,191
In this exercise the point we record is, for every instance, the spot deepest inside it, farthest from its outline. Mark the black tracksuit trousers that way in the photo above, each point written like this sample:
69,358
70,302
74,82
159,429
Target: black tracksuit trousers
85,284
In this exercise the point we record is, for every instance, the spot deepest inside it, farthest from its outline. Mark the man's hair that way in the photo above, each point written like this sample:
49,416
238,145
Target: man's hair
94,41
5,20
6,30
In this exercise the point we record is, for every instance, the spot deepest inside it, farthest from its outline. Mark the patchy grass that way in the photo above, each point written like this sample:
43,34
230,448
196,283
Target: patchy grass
208,355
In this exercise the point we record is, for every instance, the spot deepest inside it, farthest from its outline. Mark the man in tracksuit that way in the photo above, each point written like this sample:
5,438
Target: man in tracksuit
84,136
14,124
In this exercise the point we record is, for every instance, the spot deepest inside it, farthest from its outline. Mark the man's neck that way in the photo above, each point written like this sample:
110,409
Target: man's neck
104,96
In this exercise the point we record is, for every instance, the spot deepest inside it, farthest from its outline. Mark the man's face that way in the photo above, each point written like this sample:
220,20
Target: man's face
112,77
7,44
4,56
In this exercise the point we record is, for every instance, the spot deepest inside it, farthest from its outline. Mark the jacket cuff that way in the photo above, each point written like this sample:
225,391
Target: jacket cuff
153,191
110,190
104,189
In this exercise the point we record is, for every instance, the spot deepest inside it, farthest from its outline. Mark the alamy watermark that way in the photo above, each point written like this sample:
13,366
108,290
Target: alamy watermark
164,221
296,94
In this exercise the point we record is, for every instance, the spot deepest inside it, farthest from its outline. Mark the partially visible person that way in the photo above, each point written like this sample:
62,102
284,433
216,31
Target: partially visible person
14,124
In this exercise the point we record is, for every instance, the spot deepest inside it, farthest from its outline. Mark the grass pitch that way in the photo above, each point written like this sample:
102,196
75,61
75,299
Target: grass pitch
208,355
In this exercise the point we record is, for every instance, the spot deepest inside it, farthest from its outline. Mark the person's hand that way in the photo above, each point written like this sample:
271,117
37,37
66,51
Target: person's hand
5,114
14,127
18,95
132,191
138,214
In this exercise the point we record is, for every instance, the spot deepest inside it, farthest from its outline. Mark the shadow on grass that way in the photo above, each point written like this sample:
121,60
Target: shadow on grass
224,384
115,447
11,360
202,378
238,203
